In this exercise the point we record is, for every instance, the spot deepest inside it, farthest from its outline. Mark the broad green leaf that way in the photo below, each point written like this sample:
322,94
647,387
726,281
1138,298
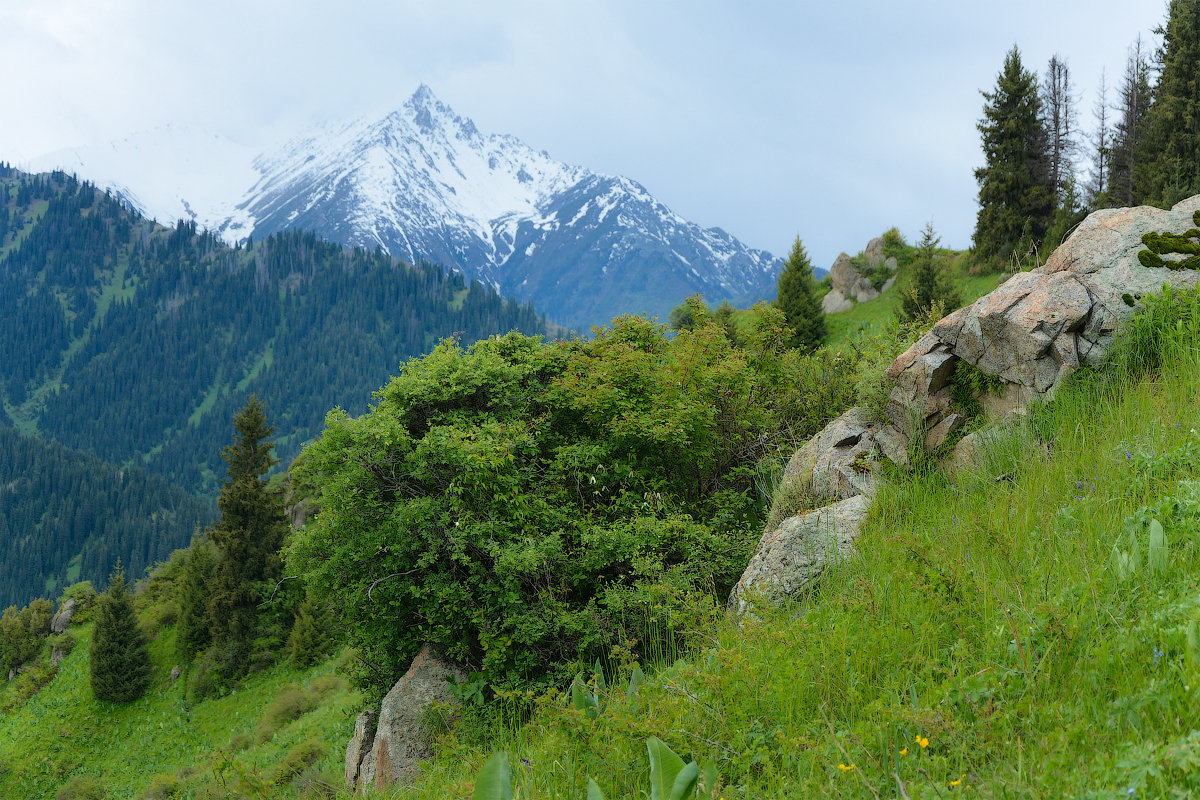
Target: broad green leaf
594,792
685,782
636,679
665,766
494,781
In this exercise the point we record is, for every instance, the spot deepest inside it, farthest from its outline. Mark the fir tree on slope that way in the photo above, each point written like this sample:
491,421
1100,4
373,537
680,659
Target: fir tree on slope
247,538
1168,169
797,299
119,658
1015,191
931,285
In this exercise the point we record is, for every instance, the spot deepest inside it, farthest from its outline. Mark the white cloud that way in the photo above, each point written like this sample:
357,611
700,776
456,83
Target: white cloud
832,120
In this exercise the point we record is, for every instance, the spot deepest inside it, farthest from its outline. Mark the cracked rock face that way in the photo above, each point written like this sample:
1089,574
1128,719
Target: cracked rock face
1039,326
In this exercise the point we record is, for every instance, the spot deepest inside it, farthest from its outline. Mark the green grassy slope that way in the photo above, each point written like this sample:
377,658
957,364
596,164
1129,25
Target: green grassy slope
996,638
64,733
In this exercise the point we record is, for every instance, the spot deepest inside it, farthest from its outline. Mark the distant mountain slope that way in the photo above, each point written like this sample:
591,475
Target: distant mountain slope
67,516
139,342
424,183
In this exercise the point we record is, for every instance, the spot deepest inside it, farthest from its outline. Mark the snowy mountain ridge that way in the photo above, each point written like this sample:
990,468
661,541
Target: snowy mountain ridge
424,183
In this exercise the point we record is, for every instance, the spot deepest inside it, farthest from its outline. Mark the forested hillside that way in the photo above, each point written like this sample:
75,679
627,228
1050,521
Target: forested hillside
67,516
139,342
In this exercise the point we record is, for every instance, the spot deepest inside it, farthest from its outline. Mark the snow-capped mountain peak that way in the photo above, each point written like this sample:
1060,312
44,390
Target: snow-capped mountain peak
423,182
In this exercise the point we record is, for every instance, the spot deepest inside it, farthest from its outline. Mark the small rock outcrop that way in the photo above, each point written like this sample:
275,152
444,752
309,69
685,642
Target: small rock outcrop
360,745
839,463
399,741
60,621
849,285
1039,326
1031,333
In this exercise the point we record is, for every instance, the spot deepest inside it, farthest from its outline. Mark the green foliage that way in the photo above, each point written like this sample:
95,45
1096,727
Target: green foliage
931,286
82,787
87,515
95,300
193,628
523,505
22,632
1164,328
494,781
1015,190
1160,244
298,759
118,659
797,298
290,704
978,614
310,639
1167,169
247,538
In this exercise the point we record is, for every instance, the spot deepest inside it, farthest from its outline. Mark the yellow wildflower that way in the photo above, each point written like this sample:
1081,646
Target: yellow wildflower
956,783
923,741
846,768
904,752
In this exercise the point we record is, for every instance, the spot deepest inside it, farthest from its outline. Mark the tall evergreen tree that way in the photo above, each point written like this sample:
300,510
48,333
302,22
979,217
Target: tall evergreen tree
1134,103
119,659
797,299
247,537
931,285
1169,166
1015,190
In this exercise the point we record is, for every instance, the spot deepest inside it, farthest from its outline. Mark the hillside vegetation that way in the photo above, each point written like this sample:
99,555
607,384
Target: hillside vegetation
107,317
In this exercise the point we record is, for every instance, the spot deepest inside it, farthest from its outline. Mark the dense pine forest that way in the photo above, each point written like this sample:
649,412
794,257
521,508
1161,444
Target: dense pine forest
67,516
139,342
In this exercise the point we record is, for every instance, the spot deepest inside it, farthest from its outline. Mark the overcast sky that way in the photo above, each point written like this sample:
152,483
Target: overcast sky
828,120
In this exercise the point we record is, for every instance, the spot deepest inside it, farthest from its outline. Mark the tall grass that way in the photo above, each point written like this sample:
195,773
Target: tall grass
983,642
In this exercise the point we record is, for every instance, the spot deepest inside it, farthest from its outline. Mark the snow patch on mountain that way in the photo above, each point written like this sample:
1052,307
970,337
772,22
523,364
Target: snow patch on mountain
424,183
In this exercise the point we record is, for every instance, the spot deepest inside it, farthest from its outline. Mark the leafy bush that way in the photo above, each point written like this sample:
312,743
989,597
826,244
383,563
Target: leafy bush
512,501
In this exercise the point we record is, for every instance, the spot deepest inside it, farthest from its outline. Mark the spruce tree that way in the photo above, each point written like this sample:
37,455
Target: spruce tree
797,299
193,628
119,659
1168,167
931,286
247,538
1015,190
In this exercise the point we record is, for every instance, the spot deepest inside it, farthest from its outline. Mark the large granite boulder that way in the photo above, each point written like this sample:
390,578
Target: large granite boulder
399,741
840,463
1039,326
790,557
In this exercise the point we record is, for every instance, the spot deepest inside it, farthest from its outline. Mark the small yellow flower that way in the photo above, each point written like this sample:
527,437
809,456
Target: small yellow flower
956,783
923,741
904,752
846,768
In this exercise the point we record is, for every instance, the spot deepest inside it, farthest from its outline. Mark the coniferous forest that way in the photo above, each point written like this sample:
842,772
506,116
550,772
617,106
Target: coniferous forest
132,345
139,342
67,516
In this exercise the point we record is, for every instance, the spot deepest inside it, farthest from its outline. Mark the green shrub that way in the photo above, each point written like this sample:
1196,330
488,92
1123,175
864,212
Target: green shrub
298,759
81,787
512,501
290,704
